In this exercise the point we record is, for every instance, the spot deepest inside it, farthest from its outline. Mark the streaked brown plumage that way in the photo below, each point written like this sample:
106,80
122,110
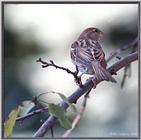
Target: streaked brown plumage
88,56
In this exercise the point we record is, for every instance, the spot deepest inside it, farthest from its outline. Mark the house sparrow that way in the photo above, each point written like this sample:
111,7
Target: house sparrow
88,56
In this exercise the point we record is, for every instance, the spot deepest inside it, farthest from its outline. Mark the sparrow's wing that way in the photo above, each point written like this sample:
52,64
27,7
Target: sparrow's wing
100,72
98,53
99,64
80,54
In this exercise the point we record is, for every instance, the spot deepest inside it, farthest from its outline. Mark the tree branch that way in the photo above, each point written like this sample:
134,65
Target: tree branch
52,64
38,111
78,116
80,91
127,73
133,46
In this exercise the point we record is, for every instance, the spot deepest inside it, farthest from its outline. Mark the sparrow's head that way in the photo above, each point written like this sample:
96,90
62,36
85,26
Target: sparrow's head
91,33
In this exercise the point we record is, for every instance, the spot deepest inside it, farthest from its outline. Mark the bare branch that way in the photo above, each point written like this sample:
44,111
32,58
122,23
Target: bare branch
127,73
78,116
133,46
38,111
46,64
80,91
45,109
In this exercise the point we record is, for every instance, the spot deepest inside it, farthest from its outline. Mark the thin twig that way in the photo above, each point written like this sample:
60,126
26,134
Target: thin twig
45,109
133,45
52,132
38,111
80,91
78,116
36,100
46,64
127,73
127,69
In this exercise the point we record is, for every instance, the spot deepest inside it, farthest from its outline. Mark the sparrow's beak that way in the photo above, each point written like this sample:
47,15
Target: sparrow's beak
101,34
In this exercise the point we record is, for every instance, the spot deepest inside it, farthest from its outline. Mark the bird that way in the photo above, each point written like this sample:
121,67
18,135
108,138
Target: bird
88,56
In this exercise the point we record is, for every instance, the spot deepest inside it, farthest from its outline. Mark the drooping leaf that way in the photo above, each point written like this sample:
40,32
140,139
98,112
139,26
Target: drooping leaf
60,113
73,107
64,98
65,122
10,122
56,110
42,102
26,106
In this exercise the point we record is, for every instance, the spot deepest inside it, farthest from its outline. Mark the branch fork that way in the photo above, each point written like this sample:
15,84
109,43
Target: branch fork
77,78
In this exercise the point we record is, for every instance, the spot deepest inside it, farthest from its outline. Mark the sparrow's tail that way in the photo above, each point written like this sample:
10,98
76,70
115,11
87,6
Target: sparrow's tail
101,73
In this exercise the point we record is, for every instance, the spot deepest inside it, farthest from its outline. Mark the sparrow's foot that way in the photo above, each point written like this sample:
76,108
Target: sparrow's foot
94,83
77,71
78,81
93,80
112,71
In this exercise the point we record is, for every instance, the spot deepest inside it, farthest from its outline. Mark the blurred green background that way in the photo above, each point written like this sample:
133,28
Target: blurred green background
47,31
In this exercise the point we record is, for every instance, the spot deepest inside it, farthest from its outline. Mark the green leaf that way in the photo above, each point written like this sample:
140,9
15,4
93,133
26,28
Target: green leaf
10,122
56,110
59,113
65,122
26,106
64,98
72,106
